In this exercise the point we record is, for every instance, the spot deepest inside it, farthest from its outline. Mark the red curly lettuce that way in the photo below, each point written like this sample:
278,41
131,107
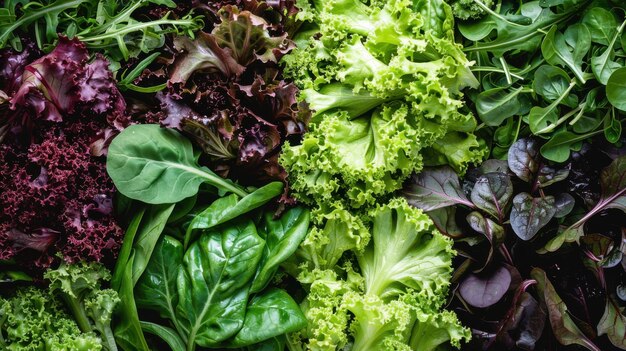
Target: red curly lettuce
58,112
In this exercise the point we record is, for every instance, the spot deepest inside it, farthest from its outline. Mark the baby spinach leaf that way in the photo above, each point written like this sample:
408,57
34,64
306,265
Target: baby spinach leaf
551,82
156,165
616,89
556,52
485,289
128,333
230,207
601,24
612,127
529,214
492,193
213,283
557,149
578,37
604,65
522,158
282,238
269,315
156,289
435,188
496,105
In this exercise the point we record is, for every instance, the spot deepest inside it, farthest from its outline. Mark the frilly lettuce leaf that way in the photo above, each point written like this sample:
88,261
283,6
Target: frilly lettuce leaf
394,291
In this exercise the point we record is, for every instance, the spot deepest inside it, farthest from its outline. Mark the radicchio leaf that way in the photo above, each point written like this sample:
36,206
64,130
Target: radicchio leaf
435,188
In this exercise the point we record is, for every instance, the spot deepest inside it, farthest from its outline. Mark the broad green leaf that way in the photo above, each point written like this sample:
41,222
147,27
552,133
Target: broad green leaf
603,66
148,234
128,333
229,207
612,127
601,24
578,37
156,289
556,52
551,83
496,105
166,334
616,89
156,165
213,282
269,315
282,238
557,149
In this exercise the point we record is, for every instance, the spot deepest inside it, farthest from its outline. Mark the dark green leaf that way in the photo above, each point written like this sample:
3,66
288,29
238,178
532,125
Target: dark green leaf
156,165
269,315
492,193
616,89
612,127
530,214
156,290
551,82
226,208
578,37
601,24
121,264
282,238
556,52
435,188
167,334
213,283
128,333
149,232
496,105
557,149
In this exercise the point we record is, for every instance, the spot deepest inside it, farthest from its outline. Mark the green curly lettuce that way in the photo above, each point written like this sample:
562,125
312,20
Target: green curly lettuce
36,320
79,286
384,83
390,296
469,9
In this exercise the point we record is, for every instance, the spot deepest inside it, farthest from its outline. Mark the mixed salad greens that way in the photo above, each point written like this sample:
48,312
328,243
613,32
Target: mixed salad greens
317,175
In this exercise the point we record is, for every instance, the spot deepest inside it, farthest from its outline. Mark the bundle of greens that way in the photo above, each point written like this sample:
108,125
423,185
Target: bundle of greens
553,69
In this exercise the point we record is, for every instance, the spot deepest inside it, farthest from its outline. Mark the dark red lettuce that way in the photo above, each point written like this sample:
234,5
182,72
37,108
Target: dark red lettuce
226,92
60,111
